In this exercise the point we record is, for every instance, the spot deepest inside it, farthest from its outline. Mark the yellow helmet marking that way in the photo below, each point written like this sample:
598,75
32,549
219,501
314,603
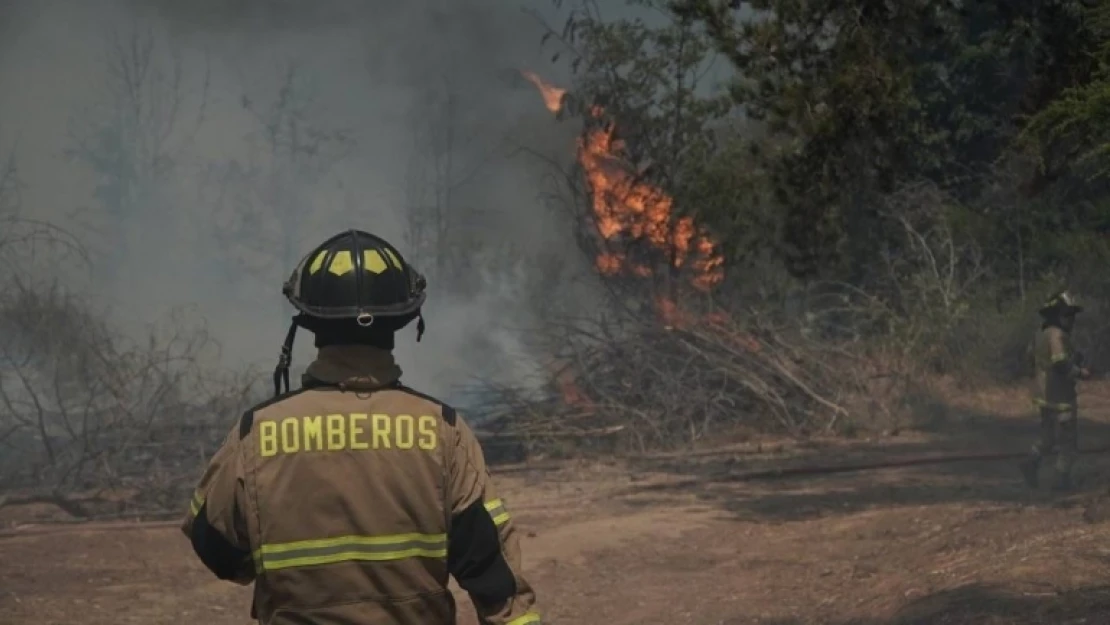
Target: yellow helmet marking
373,261
317,262
341,264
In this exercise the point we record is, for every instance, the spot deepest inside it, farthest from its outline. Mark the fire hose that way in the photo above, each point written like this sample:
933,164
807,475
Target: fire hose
933,459
831,469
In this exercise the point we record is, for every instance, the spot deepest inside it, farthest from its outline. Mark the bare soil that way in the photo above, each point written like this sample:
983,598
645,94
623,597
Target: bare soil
635,542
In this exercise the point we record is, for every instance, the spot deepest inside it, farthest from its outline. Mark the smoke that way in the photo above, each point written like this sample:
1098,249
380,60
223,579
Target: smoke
201,148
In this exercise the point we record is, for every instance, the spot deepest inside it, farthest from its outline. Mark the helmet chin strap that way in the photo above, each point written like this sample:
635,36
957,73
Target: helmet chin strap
281,372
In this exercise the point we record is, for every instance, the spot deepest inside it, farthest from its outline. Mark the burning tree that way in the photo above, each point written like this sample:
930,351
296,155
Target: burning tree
665,373
678,352
637,231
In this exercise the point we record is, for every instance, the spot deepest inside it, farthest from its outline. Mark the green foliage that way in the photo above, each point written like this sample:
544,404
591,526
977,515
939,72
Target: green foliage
947,159
651,78
877,95
654,79
1073,130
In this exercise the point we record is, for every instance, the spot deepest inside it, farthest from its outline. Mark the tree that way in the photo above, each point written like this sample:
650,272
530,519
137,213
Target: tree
264,202
132,139
862,98
651,121
444,220
1070,136
9,208
22,238
85,411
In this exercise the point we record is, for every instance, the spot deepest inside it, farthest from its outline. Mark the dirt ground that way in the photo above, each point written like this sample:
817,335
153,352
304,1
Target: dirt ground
640,542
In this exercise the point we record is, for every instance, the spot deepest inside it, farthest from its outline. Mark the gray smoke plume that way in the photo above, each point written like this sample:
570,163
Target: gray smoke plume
200,148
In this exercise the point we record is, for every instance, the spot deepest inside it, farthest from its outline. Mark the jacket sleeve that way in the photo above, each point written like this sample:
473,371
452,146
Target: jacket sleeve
483,551
215,523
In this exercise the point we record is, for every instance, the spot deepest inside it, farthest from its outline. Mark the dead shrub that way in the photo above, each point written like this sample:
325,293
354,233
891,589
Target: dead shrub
88,415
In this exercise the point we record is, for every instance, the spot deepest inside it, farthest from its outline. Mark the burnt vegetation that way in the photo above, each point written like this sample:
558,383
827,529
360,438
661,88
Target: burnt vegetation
97,422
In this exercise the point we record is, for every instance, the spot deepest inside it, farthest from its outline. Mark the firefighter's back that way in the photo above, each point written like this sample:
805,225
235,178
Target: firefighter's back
348,495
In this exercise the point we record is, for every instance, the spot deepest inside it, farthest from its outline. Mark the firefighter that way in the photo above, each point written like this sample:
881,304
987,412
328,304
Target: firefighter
352,499
1057,368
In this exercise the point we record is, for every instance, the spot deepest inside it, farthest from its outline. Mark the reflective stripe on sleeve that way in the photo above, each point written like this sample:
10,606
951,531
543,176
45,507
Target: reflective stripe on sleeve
196,504
528,618
1062,407
272,557
496,509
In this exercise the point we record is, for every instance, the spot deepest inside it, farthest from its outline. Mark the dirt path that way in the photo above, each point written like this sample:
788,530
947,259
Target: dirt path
617,544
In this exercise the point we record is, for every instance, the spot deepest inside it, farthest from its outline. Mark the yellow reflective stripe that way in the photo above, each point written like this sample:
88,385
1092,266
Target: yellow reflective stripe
528,618
276,556
496,509
1059,358
1055,406
196,504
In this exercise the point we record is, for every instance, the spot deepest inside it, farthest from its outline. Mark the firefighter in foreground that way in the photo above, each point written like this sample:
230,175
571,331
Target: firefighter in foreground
1058,366
353,499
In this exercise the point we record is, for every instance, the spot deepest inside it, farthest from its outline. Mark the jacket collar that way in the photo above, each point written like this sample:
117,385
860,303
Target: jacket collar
355,367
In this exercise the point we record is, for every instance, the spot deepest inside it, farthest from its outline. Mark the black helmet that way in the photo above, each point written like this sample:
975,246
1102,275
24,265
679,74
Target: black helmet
354,277
1061,302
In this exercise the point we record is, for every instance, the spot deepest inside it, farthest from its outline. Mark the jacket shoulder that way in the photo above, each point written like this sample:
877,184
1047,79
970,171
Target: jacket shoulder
246,422
449,414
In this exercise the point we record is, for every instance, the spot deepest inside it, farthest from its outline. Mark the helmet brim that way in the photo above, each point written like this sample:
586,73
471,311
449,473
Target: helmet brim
1065,309
354,312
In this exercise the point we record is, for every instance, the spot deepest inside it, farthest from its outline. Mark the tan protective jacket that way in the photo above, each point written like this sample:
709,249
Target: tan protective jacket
1057,370
351,501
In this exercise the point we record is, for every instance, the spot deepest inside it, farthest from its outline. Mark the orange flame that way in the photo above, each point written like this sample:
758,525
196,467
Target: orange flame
675,318
568,389
628,209
552,96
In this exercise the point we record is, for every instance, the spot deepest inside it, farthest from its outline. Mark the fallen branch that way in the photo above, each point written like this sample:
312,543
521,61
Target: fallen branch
72,506
74,527
552,434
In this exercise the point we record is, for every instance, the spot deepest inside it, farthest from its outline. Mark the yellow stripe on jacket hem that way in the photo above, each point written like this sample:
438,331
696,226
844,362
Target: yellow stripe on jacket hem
277,556
528,618
1052,405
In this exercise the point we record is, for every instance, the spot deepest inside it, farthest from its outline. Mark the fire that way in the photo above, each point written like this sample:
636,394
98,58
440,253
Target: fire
673,317
568,389
627,209
552,96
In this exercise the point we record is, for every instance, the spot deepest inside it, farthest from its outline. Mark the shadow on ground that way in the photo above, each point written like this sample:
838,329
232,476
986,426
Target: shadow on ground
801,497
984,605
992,605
